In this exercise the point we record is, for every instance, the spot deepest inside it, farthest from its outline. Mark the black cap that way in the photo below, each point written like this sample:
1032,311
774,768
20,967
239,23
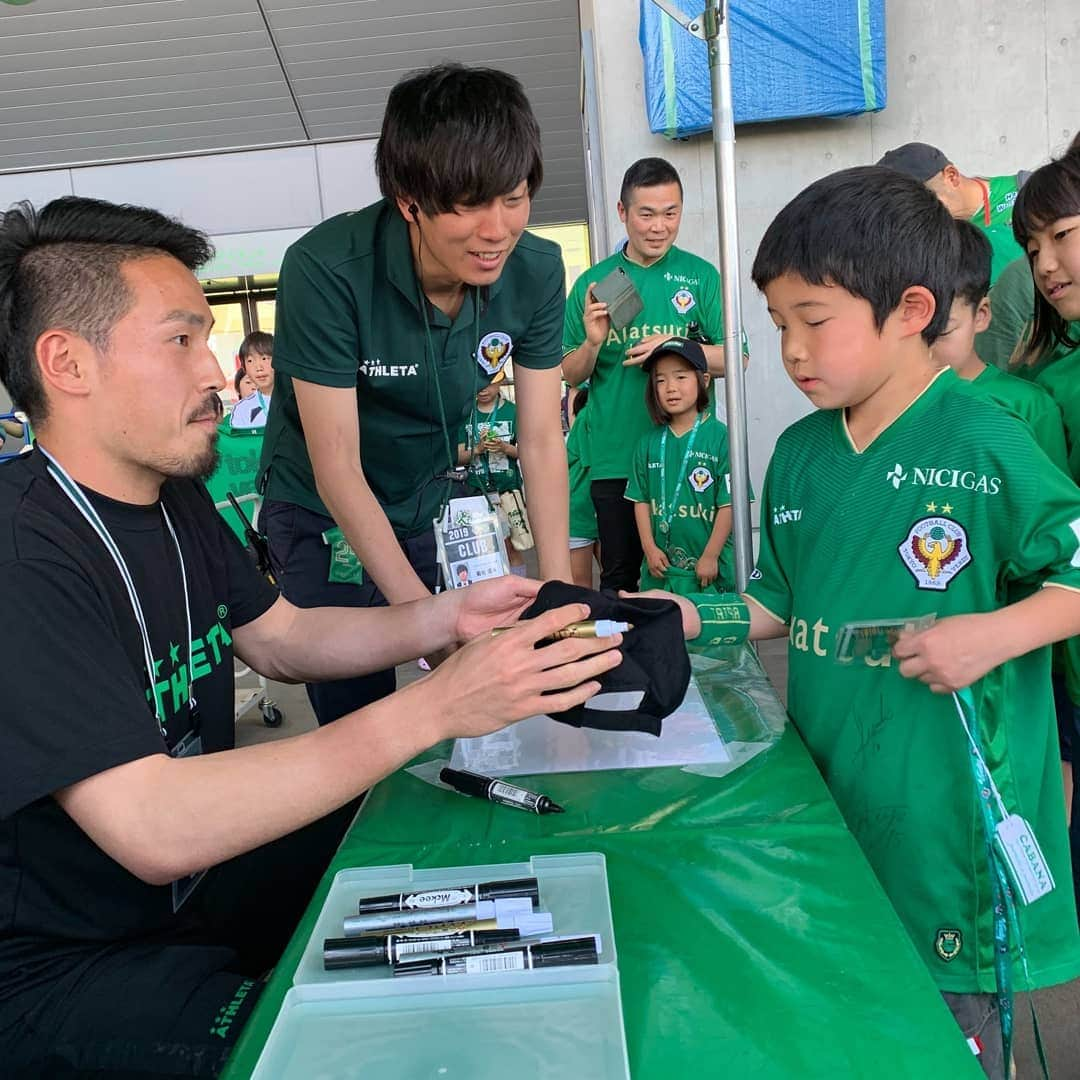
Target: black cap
654,657
689,350
918,160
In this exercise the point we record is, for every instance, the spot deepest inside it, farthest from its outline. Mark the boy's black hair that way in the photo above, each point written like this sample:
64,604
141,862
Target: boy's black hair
60,267
457,136
872,231
1051,192
258,341
657,413
648,172
976,257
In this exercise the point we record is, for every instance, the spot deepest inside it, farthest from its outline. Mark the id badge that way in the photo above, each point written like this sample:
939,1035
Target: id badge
1017,845
471,542
189,746
873,639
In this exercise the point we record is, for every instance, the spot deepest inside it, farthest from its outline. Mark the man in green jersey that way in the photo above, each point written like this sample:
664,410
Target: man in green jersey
677,289
389,320
903,497
986,201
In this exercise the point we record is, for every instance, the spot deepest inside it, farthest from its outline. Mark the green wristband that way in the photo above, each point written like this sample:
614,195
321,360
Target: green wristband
725,618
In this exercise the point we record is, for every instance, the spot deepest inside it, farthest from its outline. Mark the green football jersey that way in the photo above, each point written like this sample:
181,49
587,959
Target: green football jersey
582,512
678,289
1028,402
938,515
493,471
994,217
698,484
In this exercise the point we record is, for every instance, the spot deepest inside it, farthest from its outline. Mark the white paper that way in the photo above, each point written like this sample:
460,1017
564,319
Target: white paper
540,745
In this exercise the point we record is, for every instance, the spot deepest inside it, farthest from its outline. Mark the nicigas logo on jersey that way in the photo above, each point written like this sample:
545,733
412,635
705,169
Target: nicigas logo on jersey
943,478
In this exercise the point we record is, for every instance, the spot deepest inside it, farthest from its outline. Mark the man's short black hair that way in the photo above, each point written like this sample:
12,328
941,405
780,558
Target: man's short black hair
973,270
457,136
258,341
872,231
648,172
60,268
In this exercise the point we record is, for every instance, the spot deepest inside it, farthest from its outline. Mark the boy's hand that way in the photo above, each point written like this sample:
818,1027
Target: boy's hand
952,653
707,568
657,561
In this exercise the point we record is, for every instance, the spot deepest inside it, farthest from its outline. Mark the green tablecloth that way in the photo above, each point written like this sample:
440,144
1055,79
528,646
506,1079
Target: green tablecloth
753,939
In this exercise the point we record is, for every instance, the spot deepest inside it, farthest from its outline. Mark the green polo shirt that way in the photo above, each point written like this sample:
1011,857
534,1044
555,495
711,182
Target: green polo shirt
349,314
994,217
678,289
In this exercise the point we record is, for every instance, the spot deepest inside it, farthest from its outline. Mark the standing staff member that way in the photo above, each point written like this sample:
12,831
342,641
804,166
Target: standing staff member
389,319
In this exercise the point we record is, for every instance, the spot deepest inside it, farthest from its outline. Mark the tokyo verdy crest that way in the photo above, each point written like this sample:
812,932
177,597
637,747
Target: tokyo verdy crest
493,351
948,943
935,550
700,479
683,301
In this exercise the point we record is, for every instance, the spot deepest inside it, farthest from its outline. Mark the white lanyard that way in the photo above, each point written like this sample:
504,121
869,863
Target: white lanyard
81,503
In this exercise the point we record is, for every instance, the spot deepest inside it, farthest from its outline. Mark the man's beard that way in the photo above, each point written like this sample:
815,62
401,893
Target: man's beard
203,465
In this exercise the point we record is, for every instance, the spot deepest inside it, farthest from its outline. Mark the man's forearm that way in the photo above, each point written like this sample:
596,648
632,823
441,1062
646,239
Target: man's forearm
578,365
545,471
364,523
196,812
318,644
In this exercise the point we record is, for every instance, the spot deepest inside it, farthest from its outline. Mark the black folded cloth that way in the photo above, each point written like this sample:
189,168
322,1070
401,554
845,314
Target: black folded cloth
655,661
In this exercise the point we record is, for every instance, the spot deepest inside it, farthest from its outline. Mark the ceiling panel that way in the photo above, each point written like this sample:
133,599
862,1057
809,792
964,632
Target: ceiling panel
89,82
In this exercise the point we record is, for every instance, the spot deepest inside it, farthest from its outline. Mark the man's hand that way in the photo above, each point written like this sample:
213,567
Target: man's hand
487,604
707,568
657,561
636,356
496,681
595,319
951,654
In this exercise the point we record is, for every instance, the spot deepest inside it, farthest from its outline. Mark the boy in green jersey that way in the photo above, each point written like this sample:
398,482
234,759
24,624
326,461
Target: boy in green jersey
969,315
902,497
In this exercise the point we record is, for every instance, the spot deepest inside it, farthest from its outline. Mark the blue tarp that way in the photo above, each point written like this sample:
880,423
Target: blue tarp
788,60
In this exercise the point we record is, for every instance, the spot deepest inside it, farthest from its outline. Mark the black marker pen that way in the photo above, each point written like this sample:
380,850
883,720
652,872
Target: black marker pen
561,953
498,791
369,952
465,894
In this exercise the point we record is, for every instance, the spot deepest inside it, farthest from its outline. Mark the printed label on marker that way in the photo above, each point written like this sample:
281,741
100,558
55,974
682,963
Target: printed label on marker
485,965
505,793
407,948
446,898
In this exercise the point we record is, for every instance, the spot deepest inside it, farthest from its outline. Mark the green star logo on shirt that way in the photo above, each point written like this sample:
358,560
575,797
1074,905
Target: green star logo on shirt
174,653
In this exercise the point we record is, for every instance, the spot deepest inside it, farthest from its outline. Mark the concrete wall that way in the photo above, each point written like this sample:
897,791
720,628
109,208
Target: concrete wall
996,84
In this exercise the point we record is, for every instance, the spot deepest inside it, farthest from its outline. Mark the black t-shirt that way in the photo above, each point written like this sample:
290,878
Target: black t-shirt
75,700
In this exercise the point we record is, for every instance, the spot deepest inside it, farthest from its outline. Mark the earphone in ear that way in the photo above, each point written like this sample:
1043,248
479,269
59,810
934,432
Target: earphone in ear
414,210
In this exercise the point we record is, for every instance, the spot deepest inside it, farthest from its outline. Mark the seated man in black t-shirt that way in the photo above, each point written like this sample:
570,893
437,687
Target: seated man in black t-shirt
119,781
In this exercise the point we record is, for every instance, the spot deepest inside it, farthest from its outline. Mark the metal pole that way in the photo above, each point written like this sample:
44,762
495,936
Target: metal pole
719,44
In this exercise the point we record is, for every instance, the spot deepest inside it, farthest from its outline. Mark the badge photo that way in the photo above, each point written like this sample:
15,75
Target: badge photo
493,351
683,301
700,478
935,550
